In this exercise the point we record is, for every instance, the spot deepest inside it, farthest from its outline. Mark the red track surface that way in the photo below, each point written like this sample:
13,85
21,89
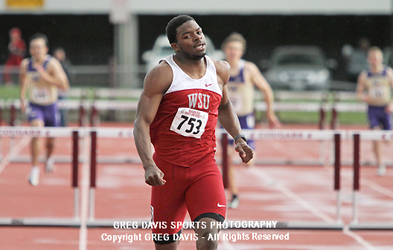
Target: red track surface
278,193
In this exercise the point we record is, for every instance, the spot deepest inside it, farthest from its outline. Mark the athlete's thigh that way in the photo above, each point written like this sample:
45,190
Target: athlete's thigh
35,115
167,202
373,119
386,121
206,196
52,116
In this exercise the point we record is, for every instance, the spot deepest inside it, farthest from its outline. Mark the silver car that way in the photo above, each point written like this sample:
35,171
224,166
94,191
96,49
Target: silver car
299,68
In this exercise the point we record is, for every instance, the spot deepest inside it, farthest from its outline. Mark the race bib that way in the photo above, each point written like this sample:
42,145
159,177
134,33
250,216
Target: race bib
40,95
377,92
189,122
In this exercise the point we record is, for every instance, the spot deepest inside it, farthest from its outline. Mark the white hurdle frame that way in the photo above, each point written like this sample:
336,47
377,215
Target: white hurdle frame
75,134
256,134
358,136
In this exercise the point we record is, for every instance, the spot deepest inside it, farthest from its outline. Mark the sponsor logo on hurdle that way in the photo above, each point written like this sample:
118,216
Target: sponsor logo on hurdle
15,132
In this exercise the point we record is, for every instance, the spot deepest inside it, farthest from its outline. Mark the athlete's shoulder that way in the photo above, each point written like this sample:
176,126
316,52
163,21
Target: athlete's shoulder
23,64
159,78
223,69
362,76
250,66
364,73
53,62
162,70
389,71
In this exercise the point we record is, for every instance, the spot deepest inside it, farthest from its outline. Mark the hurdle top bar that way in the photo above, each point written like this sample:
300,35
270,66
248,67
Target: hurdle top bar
63,104
372,135
7,131
267,134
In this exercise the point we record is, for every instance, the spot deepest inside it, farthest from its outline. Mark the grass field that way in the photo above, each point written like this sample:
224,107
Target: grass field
12,92
9,92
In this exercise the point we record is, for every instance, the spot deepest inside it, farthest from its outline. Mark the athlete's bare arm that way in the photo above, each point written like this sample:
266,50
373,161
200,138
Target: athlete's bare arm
360,94
227,115
55,74
23,83
389,71
157,81
260,82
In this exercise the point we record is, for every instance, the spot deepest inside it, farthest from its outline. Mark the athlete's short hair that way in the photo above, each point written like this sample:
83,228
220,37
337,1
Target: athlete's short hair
173,24
374,48
40,36
235,37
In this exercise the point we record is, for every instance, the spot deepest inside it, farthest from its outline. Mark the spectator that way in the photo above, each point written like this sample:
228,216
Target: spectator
17,50
356,59
60,54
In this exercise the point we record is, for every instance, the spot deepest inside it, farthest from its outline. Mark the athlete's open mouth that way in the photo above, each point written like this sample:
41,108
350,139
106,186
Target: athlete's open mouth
200,46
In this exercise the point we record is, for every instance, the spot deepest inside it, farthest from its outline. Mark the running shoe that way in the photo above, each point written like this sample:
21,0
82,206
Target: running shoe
50,163
381,170
234,202
34,178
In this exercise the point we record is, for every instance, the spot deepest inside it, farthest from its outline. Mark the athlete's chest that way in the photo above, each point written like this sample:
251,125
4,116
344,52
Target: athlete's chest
199,99
377,82
239,82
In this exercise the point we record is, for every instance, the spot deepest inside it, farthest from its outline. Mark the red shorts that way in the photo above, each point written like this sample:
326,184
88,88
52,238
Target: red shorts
198,189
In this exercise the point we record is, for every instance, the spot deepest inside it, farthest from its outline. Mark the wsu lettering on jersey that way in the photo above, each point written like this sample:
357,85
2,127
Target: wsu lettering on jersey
199,100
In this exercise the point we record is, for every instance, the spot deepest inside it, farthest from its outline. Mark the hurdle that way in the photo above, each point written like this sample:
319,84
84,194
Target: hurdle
118,93
14,105
1,111
105,105
1,124
256,134
338,107
319,108
318,135
100,105
49,132
94,134
357,137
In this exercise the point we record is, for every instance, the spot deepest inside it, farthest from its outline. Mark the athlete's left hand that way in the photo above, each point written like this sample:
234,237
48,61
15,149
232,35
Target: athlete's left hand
273,121
40,69
245,152
389,109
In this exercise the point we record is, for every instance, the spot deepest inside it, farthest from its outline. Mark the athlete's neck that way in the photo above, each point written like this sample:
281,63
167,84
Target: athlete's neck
39,59
196,69
376,68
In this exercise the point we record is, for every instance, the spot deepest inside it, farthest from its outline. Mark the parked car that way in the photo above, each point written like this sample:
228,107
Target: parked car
299,68
162,49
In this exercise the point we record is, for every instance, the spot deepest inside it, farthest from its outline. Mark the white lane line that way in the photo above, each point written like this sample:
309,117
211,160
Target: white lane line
370,184
14,151
313,209
263,176
377,188
84,187
358,239
227,245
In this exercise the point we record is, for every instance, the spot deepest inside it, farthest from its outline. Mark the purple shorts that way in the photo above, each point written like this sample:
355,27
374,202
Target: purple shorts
48,113
246,122
377,117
